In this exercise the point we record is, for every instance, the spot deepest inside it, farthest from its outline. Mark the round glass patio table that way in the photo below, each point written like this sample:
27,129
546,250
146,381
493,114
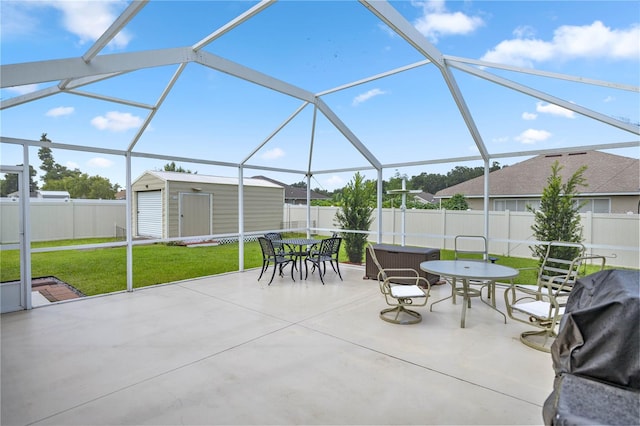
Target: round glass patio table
468,270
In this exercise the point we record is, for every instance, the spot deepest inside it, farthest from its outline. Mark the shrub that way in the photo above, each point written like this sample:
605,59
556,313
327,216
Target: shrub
558,218
355,213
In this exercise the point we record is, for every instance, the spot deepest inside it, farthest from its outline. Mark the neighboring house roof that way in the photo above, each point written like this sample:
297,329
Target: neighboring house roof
293,192
423,197
606,174
121,195
196,178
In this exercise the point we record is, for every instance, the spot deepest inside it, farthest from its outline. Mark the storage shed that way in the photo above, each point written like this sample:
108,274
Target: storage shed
174,204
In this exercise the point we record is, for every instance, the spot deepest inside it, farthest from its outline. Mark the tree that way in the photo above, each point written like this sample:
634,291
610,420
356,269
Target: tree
558,218
429,182
45,155
171,167
85,186
355,213
457,202
52,170
79,185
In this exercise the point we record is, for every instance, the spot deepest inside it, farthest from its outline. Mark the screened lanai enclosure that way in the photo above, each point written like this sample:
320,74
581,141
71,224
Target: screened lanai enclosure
298,91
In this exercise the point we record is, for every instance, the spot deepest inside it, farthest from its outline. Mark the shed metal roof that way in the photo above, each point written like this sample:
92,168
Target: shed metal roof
218,180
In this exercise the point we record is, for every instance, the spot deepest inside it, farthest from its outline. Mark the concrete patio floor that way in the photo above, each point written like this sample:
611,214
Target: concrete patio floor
231,350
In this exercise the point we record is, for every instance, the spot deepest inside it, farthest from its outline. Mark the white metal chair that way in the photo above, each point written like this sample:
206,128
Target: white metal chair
473,248
542,305
400,296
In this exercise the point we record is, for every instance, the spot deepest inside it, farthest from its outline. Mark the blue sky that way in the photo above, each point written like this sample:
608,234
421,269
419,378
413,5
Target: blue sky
320,46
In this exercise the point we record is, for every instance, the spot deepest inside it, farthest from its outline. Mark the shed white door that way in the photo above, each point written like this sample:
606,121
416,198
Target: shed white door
195,214
149,217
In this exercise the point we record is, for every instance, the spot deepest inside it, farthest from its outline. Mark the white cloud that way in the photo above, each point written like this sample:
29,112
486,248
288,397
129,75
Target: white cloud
23,90
71,165
529,116
595,41
436,21
554,110
59,111
100,162
609,99
273,154
367,95
89,19
116,121
533,136
524,31
19,19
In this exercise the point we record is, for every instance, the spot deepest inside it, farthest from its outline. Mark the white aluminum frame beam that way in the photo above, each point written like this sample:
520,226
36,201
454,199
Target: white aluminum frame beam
113,30
110,99
375,77
549,98
248,74
159,102
233,24
540,73
52,90
275,132
59,69
333,118
390,16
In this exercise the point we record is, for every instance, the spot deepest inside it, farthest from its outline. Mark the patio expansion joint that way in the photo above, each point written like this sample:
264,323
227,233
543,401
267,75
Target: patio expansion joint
290,323
424,367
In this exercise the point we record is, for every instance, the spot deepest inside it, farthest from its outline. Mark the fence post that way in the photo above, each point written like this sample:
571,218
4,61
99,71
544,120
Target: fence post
443,225
588,227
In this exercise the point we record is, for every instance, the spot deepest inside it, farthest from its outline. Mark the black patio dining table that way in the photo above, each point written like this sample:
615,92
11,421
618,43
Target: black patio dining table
299,248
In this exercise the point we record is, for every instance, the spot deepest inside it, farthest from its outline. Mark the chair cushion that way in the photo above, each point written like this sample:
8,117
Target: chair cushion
538,308
406,291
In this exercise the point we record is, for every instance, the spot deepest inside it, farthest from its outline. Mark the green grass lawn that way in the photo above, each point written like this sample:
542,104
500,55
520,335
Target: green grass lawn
103,270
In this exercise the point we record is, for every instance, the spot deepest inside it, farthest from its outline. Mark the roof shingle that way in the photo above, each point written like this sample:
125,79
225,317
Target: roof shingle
605,174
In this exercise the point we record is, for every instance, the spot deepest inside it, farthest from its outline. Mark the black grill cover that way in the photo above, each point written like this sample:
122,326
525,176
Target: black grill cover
599,343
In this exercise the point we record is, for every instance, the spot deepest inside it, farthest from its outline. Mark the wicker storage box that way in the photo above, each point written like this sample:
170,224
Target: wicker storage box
392,256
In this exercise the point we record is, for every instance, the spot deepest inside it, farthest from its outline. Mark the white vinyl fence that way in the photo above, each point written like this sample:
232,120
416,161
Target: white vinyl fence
613,235
61,220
